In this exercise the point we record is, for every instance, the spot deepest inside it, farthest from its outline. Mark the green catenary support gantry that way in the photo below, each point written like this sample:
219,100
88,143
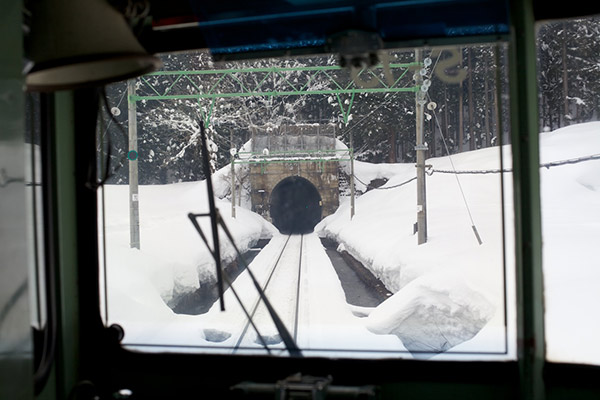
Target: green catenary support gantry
182,84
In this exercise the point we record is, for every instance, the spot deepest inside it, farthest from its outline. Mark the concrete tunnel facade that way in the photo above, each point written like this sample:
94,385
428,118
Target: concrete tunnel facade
294,196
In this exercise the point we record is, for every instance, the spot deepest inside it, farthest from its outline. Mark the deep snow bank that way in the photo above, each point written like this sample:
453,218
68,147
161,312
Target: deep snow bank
570,197
448,289
172,257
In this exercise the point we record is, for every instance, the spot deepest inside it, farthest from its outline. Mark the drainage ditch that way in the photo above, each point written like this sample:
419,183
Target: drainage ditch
202,299
361,287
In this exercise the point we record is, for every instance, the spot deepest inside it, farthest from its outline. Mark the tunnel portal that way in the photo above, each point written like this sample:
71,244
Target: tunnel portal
295,205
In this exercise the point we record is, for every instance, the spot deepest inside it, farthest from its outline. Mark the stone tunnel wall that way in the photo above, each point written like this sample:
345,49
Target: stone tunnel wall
264,178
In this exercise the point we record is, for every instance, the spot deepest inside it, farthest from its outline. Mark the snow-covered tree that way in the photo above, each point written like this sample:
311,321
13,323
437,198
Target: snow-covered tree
569,71
182,124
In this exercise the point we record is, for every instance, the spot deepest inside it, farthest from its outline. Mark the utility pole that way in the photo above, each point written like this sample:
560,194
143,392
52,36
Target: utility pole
351,176
132,155
420,148
232,151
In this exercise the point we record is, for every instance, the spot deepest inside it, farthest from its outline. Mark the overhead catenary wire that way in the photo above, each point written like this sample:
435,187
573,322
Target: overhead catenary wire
109,111
383,103
391,97
95,182
548,165
430,171
436,62
386,187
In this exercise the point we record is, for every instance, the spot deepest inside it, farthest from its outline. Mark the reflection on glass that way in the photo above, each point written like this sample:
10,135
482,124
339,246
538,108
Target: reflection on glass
35,216
313,168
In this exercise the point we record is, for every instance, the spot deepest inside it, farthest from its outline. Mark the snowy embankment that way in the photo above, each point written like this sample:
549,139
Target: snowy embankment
172,260
571,229
449,288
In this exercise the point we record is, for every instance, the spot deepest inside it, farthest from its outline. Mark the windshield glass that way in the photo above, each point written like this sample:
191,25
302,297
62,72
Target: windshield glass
368,204
568,81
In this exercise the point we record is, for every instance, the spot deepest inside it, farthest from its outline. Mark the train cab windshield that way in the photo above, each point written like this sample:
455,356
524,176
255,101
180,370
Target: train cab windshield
364,208
237,199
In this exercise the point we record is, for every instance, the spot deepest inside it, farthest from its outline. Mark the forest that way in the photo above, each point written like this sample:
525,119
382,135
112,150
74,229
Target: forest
466,102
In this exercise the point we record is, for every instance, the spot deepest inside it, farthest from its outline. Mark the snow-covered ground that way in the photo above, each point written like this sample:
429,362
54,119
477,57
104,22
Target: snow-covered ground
451,293
571,231
449,288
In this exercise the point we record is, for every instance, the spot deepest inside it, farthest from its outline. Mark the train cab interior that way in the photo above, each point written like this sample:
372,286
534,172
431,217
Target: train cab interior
71,71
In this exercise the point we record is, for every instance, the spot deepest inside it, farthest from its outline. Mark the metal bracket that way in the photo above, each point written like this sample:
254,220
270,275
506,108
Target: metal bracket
298,386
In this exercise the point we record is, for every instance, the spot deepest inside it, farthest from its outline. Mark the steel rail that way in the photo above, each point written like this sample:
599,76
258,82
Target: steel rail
258,300
276,264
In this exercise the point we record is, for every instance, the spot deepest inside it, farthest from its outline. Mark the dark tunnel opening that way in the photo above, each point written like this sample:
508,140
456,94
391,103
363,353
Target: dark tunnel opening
295,205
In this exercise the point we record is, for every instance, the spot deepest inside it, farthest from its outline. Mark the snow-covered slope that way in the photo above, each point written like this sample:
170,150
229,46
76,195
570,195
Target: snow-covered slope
450,287
172,256
571,231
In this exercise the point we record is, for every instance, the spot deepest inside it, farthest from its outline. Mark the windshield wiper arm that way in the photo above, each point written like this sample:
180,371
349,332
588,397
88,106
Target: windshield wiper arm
216,220
213,214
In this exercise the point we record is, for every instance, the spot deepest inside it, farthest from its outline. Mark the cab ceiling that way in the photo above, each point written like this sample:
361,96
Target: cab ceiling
238,27
245,29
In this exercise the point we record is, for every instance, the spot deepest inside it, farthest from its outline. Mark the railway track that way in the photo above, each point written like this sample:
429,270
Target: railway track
281,283
302,287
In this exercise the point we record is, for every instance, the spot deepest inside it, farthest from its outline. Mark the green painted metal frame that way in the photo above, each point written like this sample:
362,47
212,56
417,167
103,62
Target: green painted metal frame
291,153
527,204
280,157
16,352
64,154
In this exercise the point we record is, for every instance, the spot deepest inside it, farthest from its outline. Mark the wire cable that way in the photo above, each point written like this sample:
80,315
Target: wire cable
387,187
93,181
548,165
462,192
385,102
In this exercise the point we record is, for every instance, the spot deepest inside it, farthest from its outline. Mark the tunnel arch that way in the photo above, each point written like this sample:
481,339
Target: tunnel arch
295,205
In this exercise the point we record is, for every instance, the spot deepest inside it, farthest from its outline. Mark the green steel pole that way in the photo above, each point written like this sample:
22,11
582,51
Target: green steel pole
232,173
68,362
351,177
525,148
16,345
